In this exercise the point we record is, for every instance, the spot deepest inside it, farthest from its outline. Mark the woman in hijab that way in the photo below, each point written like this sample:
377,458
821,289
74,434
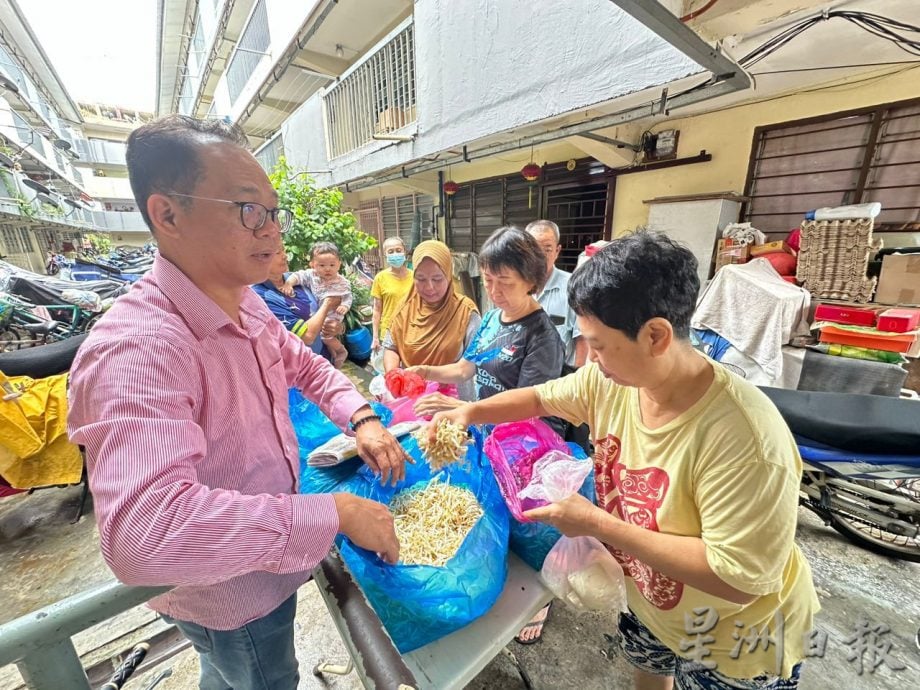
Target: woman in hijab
435,324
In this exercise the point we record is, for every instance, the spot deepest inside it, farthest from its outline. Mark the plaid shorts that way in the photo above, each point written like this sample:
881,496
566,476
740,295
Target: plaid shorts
637,645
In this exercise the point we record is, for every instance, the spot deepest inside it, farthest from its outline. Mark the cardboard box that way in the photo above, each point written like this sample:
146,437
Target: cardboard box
905,344
731,252
770,247
854,316
899,282
899,320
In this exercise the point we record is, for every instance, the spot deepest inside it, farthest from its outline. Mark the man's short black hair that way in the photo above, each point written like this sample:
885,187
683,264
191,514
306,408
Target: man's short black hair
637,278
162,155
511,247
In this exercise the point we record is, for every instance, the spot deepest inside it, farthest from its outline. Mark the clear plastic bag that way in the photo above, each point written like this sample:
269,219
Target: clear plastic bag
377,361
581,572
556,476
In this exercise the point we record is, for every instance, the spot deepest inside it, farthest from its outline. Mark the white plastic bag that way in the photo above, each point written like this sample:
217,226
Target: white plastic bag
581,572
556,476
377,360
378,388
85,299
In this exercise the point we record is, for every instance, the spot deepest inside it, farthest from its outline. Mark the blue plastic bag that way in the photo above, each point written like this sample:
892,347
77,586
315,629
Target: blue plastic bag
313,429
533,540
420,604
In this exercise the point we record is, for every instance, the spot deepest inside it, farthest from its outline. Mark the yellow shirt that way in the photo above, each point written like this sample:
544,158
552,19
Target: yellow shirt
391,291
727,470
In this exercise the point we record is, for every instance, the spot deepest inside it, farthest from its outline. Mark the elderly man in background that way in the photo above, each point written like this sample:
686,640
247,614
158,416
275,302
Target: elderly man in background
553,294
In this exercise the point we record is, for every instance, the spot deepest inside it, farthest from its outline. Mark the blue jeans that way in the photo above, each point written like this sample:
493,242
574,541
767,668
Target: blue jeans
258,656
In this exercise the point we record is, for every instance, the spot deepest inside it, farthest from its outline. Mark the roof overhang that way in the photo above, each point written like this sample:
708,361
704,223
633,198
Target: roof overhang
724,77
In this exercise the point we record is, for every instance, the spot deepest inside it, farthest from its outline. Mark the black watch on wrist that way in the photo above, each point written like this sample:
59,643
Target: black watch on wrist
355,425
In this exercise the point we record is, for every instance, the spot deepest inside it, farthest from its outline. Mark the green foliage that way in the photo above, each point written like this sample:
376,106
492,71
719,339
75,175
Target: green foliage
52,211
318,217
361,293
25,206
101,244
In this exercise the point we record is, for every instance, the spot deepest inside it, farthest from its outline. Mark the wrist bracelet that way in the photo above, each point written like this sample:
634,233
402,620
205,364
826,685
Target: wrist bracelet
355,425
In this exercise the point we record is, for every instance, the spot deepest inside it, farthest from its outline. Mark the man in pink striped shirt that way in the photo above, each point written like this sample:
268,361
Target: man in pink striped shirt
180,397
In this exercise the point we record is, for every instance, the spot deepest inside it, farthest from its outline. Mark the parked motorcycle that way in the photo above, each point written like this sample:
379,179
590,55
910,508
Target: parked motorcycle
861,456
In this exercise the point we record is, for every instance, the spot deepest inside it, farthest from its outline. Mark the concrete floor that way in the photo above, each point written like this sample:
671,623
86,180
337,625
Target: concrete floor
45,558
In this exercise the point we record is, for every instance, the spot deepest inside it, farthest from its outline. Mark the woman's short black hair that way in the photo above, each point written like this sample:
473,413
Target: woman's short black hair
637,278
162,156
511,247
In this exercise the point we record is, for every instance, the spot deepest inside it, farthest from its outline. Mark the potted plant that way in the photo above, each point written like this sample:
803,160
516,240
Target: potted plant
357,335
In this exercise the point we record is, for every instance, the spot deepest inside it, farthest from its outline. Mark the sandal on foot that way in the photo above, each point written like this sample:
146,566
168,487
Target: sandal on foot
536,626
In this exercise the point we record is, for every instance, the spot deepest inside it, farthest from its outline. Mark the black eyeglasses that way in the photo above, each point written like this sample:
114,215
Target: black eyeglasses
252,213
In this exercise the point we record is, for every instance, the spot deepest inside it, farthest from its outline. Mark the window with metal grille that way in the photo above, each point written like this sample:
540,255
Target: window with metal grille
480,208
872,154
249,51
26,239
407,217
377,95
13,241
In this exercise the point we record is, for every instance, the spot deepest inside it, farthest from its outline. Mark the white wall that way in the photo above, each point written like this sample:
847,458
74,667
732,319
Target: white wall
305,139
484,67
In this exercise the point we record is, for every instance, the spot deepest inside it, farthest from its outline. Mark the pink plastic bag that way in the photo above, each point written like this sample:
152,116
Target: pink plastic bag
513,449
403,408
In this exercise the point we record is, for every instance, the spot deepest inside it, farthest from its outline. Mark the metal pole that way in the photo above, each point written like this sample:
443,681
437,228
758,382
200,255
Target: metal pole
42,629
53,667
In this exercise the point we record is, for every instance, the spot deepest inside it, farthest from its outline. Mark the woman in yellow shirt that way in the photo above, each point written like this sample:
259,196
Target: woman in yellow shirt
391,285
696,475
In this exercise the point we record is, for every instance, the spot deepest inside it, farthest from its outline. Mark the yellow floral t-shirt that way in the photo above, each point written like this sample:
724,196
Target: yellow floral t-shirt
727,470
391,291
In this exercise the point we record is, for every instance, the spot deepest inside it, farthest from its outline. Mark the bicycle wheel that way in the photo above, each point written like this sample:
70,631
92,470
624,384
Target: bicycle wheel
9,340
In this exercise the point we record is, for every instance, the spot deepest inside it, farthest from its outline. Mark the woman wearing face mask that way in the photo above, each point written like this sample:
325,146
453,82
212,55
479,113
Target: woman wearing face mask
391,285
435,324
516,344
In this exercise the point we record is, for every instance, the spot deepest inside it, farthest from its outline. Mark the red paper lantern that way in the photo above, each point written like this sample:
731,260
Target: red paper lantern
531,172
451,188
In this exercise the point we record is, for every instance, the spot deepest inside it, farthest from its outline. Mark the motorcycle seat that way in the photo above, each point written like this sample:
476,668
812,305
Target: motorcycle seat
43,328
858,423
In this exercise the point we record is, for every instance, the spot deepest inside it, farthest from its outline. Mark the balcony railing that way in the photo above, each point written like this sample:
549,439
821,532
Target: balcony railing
377,96
101,151
29,93
118,221
249,51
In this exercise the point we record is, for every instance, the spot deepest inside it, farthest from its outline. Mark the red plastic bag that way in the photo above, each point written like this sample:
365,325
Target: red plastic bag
404,384
513,449
404,408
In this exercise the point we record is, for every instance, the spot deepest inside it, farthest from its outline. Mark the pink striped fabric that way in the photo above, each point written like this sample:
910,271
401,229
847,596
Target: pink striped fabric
192,459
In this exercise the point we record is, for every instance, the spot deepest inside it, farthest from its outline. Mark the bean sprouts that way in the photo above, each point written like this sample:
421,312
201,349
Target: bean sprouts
431,524
448,447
